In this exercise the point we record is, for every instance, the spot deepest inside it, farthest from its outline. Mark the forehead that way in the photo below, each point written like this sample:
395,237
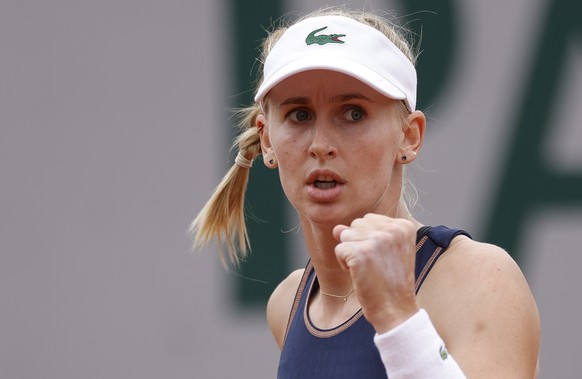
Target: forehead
329,84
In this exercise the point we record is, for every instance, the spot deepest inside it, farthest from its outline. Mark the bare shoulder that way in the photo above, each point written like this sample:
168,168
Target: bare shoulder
482,263
481,304
478,274
280,305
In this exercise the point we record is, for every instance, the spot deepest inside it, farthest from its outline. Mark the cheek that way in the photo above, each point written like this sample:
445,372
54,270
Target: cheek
379,150
376,161
290,179
286,146
287,153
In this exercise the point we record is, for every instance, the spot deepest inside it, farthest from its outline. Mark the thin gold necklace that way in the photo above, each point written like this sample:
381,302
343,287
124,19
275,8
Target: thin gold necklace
345,297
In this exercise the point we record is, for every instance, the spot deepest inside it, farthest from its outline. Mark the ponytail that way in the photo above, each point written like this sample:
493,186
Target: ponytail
223,217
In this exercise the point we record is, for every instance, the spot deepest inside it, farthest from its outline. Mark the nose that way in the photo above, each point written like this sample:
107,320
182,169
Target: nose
322,146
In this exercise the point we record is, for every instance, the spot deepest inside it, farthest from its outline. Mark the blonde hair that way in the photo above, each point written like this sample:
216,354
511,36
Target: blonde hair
223,216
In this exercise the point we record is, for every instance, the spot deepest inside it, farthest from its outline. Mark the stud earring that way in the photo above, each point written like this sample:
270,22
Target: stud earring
404,158
269,160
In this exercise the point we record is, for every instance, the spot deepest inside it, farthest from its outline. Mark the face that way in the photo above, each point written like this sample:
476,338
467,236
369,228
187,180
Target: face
338,145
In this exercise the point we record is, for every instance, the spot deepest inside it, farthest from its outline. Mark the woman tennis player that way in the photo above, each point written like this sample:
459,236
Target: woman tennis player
382,295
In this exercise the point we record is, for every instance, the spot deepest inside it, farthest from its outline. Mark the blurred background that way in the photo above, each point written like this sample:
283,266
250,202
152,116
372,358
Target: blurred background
115,126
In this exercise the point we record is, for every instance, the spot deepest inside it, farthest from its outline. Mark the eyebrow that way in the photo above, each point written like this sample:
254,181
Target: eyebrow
335,99
296,100
349,96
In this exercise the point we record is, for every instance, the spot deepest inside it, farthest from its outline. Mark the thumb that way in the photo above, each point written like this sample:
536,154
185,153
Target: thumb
337,231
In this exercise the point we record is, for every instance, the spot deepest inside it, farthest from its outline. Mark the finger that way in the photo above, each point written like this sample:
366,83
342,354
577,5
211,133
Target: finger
340,255
373,221
337,231
345,253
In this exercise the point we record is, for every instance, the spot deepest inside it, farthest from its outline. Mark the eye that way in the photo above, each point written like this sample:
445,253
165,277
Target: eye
354,114
299,115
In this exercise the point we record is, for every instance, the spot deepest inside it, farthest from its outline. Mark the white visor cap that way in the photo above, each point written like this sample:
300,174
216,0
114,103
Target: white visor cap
341,44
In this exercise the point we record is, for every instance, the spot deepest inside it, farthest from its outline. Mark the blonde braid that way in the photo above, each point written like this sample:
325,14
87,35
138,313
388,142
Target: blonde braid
223,215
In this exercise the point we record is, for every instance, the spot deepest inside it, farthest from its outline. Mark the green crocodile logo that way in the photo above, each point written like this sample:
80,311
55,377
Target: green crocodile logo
322,39
444,353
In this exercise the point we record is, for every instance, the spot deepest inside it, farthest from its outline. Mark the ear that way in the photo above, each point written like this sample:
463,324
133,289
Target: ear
413,130
266,148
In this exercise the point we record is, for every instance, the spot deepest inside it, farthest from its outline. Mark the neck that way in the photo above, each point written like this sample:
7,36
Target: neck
321,245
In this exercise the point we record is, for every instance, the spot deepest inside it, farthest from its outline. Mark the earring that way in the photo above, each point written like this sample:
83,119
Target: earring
404,158
270,161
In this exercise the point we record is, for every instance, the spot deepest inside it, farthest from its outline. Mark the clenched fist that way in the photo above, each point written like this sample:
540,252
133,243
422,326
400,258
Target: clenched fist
379,253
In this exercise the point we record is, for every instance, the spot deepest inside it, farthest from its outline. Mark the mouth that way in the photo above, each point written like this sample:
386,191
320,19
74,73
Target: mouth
324,186
324,182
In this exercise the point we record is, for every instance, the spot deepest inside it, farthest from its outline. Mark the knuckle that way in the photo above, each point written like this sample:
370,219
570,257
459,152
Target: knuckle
358,222
347,235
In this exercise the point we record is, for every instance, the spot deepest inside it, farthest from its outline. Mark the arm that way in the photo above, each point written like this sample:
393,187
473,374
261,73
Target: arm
480,303
476,297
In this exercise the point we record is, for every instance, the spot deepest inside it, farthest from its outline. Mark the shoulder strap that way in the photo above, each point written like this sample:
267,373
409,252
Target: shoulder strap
307,275
433,242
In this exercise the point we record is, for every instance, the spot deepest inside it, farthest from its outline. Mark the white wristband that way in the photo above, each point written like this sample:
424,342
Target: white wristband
415,350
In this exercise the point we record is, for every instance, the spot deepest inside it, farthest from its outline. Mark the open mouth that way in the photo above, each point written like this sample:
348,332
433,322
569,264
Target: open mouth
324,183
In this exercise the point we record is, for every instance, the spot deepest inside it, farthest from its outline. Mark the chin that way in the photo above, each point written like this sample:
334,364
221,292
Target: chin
327,216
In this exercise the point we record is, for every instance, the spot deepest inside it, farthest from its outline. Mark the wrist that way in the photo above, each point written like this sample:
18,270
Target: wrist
388,318
415,350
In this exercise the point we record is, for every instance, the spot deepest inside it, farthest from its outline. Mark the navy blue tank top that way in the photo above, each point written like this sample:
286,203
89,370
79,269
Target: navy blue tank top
347,351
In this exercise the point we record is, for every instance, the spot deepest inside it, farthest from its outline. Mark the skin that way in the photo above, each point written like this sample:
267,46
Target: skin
359,234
